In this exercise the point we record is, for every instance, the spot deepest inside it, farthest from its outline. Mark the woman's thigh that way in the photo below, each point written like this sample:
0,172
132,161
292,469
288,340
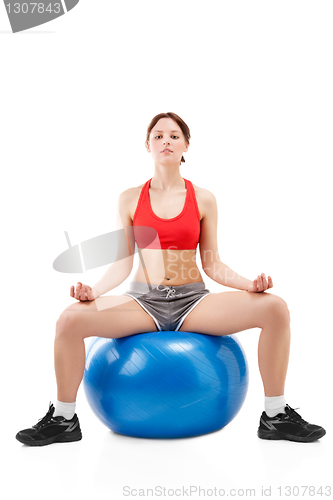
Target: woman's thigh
231,312
111,316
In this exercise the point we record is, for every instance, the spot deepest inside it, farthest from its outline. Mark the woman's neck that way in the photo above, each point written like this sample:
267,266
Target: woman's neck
166,180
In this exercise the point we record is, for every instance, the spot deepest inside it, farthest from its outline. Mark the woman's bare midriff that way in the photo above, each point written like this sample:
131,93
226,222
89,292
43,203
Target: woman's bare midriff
166,266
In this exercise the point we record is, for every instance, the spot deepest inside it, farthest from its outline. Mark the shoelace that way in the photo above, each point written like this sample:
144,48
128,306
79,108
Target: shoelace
294,416
171,291
45,419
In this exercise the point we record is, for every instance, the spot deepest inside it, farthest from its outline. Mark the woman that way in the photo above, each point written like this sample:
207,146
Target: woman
168,293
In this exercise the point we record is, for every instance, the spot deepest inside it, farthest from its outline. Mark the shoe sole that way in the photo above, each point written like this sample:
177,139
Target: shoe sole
276,435
56,439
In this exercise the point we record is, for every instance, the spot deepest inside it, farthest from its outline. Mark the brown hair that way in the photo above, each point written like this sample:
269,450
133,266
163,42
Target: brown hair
175,118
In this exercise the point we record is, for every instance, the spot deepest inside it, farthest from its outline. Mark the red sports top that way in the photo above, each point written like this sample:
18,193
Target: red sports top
180,233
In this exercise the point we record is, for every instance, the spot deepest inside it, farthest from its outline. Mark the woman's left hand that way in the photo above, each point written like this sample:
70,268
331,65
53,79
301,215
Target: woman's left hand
260,284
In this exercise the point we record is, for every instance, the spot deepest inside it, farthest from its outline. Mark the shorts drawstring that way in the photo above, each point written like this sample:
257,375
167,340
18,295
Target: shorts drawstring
171,291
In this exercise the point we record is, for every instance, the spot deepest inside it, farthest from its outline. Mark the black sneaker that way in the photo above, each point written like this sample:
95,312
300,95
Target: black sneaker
51,429
289,426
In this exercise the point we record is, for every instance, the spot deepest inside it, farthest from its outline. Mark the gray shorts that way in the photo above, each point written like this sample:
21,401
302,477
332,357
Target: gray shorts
167,305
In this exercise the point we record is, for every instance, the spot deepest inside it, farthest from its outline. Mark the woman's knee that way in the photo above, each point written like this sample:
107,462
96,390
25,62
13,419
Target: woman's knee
73,319
66,324
277,309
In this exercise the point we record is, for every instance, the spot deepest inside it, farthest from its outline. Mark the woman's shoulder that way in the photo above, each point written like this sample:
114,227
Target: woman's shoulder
204,194
132,191
129,198
201,190
205,199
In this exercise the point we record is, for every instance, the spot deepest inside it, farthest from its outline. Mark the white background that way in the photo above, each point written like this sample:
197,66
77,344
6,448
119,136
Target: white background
253,80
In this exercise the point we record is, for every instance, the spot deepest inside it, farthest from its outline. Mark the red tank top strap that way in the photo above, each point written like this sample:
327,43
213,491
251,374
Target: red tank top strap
192,198
143,198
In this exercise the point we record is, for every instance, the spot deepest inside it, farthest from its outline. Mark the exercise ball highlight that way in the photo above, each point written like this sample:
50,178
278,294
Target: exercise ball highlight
166,384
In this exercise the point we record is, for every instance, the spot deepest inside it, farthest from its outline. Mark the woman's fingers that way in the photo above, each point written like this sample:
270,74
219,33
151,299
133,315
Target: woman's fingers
82,292
260,285
77,292
264,282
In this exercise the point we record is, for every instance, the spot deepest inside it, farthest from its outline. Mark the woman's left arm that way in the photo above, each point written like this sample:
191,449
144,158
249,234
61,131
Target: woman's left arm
211,262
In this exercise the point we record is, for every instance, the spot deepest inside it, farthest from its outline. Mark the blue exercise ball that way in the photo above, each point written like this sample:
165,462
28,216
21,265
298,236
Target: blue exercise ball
166,384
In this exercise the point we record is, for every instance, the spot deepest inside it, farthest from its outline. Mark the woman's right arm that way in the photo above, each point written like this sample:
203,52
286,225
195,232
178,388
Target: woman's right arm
123,265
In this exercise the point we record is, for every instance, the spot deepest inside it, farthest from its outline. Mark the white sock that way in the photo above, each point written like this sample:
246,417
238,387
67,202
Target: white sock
274,405
66,410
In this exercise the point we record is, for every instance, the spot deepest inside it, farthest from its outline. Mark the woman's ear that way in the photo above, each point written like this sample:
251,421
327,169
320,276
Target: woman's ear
147,146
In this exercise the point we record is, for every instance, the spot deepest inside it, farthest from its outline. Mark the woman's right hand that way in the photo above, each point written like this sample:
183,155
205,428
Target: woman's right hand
82,292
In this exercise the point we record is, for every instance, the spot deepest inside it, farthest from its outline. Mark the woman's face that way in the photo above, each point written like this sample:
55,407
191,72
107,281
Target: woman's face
166,142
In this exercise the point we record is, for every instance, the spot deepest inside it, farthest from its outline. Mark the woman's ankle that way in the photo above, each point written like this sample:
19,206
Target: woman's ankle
63,409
